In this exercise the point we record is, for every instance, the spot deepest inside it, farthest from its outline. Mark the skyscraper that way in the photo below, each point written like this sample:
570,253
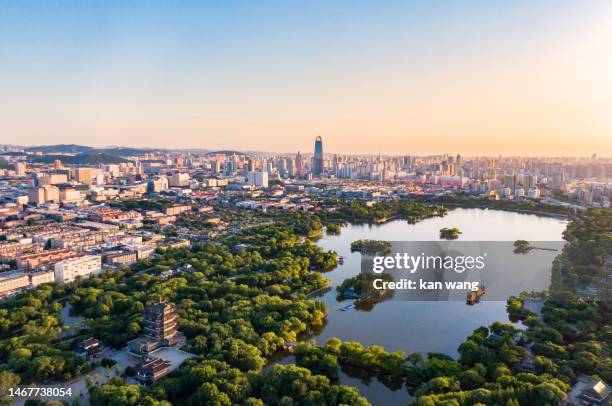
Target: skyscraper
20,168
299,165
259,179
317,167
290,167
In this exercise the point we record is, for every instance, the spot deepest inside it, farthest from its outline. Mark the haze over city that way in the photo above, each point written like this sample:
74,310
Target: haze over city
392,77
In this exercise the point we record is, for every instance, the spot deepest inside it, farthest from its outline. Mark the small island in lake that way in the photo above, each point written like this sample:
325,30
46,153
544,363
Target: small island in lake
361,287
521,247
449,233
371,246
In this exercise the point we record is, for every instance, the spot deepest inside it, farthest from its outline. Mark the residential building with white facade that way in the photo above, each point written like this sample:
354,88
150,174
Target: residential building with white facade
66,271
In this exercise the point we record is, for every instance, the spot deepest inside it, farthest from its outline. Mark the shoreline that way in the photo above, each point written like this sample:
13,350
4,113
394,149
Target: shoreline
543,213
310,333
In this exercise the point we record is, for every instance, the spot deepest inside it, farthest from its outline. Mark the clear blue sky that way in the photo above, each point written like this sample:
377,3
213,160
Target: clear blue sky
478,76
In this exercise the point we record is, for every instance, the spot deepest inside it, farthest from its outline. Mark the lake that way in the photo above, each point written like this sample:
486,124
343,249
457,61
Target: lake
414,326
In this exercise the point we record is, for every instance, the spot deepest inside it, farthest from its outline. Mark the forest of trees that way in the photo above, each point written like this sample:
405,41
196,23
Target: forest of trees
449,233
239,300
238,303
590,240
464,200
142,204
571,339
358,211
30,345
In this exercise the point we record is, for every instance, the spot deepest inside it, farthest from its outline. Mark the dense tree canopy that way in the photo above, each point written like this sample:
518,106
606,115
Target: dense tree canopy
241,299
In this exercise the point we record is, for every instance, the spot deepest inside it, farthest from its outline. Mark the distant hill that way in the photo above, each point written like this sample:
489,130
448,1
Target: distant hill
81,159
124,151
60,149
225,152
12,153
82,149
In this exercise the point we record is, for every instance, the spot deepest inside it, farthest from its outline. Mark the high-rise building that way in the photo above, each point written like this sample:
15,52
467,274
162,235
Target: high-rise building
232,167
458,163
215,166
299,165
281,166
85,175
179,179
509,182
407,164
290,167
156,185
51,179
317,167
44,194
36,195
69,195
534,193
519,193
259,179
20,168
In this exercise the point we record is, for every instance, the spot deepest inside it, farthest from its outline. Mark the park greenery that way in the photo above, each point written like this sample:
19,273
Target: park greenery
361,286
194,222
449,233
326,360
333,213
310,226
522,206
252,300
588,254
371,246
209,382
504,365
32,347
238,303
142,204
521,247
333,228
241,299
358,211
236,310
499,364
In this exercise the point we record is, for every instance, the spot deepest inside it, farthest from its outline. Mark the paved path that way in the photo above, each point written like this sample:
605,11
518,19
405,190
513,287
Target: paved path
99,375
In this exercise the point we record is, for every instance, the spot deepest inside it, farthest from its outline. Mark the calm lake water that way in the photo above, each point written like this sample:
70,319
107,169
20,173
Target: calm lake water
412,326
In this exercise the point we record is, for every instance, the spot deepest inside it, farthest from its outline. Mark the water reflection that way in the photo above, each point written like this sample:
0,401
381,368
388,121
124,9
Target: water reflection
416,326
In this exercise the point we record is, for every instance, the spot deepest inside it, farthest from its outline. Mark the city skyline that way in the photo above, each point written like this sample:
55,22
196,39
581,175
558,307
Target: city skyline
206,202
306,151
518,79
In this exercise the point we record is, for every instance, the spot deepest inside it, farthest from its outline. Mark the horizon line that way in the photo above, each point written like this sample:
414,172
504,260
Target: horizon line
245,151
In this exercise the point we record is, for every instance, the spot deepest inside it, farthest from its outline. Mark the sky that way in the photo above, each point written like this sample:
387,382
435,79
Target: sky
396,77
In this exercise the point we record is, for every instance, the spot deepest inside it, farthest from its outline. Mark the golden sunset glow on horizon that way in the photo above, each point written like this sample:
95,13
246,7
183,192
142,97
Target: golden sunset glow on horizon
530,79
